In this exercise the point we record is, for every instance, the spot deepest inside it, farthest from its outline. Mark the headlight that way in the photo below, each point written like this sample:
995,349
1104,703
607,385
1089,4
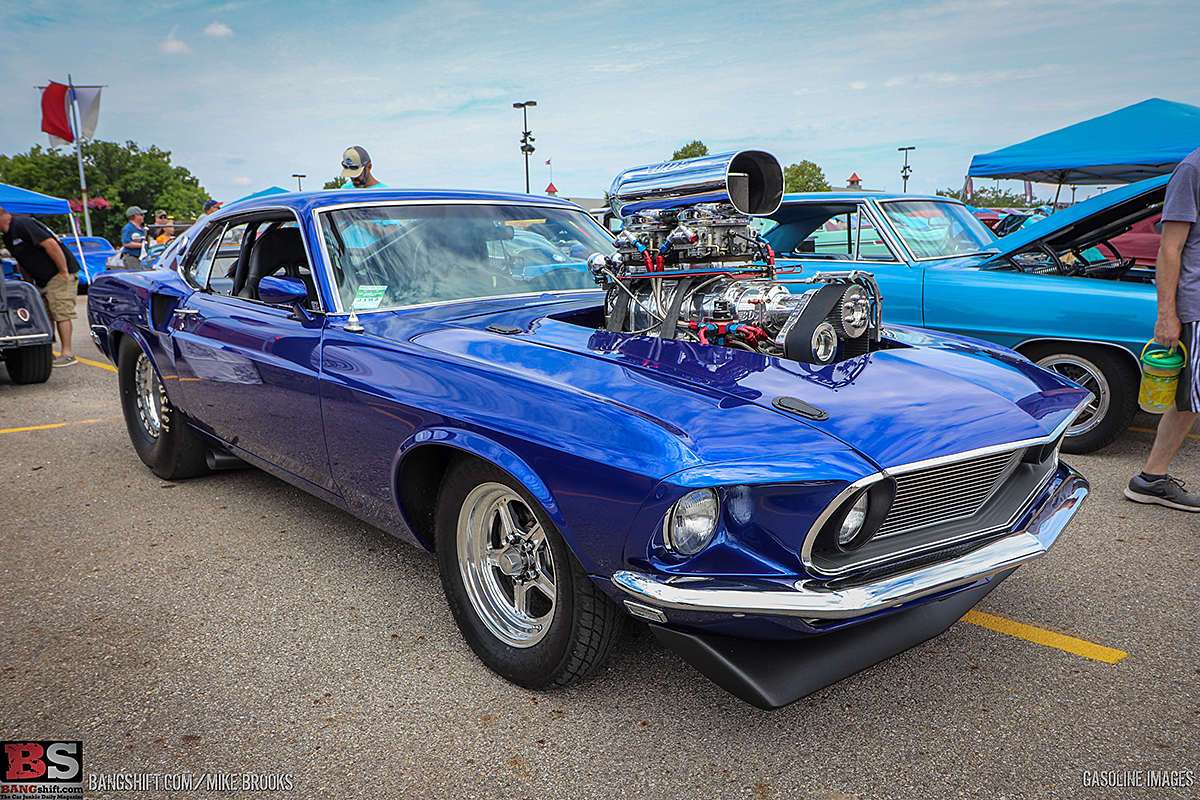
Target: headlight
853,522
691,522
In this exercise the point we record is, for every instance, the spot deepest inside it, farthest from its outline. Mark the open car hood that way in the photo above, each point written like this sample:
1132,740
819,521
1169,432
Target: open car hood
1087,223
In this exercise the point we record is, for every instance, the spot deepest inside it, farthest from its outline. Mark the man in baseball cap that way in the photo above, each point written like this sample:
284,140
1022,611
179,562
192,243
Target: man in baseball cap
133,235
211,206
356,165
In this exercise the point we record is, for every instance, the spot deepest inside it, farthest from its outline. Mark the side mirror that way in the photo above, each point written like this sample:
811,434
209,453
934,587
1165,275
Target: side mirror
282,291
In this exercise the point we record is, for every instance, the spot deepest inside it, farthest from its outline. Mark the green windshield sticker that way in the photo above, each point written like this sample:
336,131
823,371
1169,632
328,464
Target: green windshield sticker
368,297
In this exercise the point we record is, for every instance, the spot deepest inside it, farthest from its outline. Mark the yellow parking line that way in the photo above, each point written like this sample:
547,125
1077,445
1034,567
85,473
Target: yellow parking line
1028,632
1152,430
99,364
55,425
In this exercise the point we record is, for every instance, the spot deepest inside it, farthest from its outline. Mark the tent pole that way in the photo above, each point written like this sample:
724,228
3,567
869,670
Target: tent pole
87,217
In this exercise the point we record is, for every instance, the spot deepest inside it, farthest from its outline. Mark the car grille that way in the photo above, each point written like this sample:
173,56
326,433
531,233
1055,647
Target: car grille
946,492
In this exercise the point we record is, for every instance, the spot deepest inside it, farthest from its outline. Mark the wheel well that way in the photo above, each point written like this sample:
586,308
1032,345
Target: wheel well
420,480
1049,345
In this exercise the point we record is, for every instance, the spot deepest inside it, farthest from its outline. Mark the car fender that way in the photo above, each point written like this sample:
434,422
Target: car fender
475,444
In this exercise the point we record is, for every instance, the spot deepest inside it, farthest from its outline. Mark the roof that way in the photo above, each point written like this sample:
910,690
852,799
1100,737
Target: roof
1136,142
305,202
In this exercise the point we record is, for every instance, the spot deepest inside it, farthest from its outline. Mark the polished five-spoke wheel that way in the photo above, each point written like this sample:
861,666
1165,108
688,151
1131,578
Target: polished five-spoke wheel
507,567
520,597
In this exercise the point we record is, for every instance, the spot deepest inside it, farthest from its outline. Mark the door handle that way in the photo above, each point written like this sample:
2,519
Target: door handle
183,313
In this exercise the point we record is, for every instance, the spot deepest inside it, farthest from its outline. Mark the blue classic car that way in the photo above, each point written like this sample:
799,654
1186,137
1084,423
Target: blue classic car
784,492
96,251
1058,291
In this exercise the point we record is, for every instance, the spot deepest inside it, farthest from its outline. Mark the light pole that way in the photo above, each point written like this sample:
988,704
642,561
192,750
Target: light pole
299,187
904,173
526,137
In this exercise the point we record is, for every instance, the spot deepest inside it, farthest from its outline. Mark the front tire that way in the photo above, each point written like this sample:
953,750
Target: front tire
32,364
158,432
521,599
1112,380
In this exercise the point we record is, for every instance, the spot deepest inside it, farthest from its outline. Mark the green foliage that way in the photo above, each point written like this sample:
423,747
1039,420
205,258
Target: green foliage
804,177
336,183
691,150
992,197
124,175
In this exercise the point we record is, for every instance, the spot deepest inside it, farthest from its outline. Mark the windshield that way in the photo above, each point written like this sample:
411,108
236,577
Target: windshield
936,230
401,255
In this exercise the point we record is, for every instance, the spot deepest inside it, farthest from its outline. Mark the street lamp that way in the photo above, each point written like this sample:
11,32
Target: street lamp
904,173
299,188
526,137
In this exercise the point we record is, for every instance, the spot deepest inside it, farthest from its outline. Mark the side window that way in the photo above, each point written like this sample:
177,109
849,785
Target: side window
847,236
200,267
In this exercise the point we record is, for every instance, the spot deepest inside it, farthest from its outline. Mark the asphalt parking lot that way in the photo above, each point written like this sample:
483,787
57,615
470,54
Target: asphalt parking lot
233,624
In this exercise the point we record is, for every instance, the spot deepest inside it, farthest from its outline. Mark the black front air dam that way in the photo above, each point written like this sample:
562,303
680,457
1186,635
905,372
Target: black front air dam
773,674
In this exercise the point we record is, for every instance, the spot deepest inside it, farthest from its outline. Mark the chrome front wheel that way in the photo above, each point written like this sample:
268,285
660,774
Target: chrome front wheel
522,600
1112,380
506,565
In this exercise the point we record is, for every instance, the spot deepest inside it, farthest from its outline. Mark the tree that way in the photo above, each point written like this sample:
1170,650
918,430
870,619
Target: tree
804,177
336,183
123,175
992,197
691,150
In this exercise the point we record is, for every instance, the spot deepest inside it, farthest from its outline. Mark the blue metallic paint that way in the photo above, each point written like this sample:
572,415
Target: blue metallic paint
606,431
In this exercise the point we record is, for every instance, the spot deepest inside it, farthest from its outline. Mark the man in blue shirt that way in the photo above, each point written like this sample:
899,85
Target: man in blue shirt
132,237
356,165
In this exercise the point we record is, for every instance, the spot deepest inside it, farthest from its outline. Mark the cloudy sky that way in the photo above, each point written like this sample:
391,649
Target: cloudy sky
248,92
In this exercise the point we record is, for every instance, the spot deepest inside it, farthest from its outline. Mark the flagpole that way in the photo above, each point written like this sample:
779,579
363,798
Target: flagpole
87,217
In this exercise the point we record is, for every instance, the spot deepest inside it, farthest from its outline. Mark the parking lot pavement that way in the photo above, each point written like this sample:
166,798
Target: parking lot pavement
233,624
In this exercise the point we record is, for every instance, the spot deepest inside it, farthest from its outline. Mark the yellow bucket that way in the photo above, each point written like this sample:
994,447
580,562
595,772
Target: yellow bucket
1160,376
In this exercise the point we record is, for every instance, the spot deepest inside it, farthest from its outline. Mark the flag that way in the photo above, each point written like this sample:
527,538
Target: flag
55,117
88,100
547,162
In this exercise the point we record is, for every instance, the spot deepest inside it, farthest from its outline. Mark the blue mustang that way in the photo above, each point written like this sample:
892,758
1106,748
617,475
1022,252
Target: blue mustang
783,515
1058,291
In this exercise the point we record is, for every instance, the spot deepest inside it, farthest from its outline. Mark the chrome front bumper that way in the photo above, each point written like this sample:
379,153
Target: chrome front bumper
815,599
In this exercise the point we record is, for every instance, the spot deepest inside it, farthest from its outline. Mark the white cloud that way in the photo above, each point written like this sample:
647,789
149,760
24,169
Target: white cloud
218,30
172,46
242,181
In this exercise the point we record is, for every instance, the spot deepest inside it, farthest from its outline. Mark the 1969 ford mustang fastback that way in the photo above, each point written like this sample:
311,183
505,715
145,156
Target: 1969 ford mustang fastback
784,488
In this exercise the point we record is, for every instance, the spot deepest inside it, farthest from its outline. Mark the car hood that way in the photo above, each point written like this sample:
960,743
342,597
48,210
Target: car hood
1094,220
935,396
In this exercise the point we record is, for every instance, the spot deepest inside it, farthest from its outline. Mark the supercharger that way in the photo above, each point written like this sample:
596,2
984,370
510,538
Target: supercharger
691,265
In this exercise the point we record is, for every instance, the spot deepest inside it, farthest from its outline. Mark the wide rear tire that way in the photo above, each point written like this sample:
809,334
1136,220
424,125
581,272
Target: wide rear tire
32,364
521,599
157,431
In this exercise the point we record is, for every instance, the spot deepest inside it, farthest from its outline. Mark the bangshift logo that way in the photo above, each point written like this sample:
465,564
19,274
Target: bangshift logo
47,763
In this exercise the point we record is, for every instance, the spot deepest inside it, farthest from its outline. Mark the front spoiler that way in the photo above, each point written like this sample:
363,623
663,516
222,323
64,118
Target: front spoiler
825,600
772,674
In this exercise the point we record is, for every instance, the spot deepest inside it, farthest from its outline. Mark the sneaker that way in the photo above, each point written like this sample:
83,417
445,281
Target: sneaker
64,361
1167,491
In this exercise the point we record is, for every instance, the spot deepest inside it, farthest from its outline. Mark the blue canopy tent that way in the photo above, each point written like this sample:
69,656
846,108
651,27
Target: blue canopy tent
1140,141
263,193
23,201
